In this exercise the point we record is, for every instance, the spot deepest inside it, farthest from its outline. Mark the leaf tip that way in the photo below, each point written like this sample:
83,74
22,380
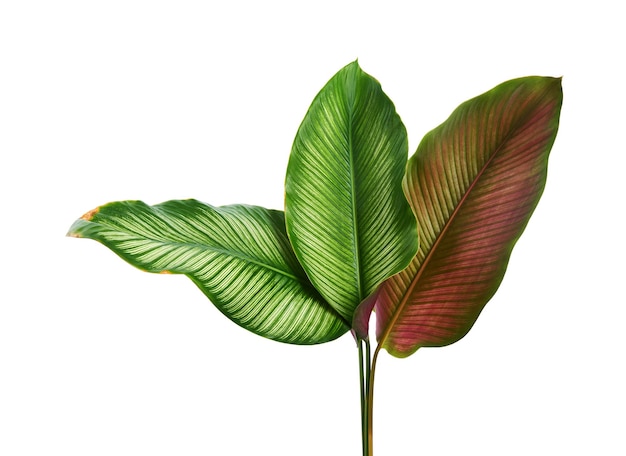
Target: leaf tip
353,66
558,80
74,230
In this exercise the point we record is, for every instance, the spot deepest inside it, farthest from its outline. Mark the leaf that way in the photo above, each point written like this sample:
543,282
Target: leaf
347,218
473,184
239,256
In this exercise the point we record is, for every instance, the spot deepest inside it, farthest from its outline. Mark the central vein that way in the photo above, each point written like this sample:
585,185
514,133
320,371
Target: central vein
351,102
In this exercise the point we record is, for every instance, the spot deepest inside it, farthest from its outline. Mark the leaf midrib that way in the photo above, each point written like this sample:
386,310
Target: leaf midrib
222,251
352,167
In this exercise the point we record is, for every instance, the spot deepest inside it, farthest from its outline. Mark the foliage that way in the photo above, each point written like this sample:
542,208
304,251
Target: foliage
424,243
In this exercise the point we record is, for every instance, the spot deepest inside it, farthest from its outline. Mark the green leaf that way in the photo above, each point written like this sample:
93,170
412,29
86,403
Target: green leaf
473,184
239,256
347,218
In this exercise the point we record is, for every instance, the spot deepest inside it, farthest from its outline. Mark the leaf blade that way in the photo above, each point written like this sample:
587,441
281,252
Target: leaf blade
347,218
239,257
473,184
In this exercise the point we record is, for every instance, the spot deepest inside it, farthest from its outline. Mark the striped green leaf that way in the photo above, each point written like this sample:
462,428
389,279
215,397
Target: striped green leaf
239,256
473,183
347,217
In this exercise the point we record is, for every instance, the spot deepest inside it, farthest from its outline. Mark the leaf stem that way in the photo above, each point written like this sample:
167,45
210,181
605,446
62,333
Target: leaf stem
366,377
364,395
370,400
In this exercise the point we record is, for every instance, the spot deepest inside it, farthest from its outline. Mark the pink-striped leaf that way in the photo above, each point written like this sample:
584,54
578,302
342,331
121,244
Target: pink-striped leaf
473,184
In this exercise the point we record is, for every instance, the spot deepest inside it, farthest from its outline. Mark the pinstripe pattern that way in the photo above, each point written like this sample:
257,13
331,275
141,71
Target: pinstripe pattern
473,184
239,256
347,218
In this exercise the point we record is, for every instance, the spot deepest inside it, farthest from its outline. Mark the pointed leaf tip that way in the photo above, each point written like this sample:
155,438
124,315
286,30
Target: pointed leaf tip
75,229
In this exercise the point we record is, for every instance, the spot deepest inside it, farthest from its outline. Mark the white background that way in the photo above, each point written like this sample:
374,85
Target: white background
102,101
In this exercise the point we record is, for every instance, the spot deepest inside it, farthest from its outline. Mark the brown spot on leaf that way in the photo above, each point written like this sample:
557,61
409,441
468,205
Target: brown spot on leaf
89,215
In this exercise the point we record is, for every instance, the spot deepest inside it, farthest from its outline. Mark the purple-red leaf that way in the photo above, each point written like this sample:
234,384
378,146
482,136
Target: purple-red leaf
473,184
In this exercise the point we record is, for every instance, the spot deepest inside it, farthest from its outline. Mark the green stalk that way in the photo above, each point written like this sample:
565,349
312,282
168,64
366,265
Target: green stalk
370,401
363,358
366,381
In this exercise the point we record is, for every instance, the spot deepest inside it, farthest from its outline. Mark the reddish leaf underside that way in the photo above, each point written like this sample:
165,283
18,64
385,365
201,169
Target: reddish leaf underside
473,184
